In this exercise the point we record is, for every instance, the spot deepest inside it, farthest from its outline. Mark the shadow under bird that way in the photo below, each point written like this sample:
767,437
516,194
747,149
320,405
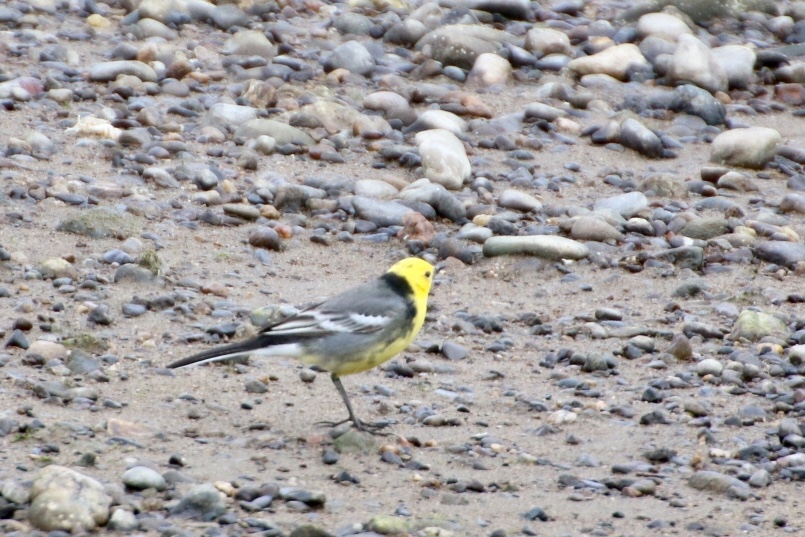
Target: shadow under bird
351,332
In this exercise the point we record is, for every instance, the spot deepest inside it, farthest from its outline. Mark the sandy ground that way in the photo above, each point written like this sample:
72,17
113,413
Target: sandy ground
277,439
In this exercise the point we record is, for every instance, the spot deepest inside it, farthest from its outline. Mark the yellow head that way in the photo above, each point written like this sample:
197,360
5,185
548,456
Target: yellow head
417,272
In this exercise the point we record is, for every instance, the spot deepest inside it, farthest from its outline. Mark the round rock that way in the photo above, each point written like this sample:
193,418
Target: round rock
142,477
752,147
66,500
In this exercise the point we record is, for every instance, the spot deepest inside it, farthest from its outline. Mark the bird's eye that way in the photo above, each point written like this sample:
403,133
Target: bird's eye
427,274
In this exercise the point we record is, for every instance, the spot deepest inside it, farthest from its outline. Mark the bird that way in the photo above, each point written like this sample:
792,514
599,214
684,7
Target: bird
352,332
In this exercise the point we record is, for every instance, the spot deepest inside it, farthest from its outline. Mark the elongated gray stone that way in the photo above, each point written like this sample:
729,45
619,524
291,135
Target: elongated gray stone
381,212
544,246
108,71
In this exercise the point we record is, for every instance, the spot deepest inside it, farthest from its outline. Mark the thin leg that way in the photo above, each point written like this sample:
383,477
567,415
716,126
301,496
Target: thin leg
358,424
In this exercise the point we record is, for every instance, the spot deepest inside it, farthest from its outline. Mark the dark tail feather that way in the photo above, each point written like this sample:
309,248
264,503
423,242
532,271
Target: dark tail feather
223,352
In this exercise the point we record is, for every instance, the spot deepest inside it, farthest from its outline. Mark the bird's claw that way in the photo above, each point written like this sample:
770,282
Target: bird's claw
373,428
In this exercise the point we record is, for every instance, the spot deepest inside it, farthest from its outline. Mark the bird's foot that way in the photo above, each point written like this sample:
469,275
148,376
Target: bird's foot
374,428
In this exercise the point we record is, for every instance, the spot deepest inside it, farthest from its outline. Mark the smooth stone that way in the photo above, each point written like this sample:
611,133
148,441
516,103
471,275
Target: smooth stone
752,147
718,482
161,178
227,16
489,70
249,43
375,188
142,477
616,61
511,9
627,205
393,105
693,62
637,136
755,325
382,213
545,246
406,33
15,492
265,145
99,223
709,366
65,500
57,267
696,101
543,111
204,502
738,62
544,41
161,10
786,253
123,520
388,525
663,25
133,273
760,478
81,363
231,115
445,203
705,228
664,185
439,119
680,347
738,182
793,203
109,71
352,56
474,233
461,44
591,228
519,201
444,159
149,28
50,350
352,24
281,132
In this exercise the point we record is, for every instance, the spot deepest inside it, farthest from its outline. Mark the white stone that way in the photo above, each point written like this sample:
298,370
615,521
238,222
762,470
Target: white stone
752,147
444,159
738,62
694,62
375,188
662,25
615,61
489,70
543,41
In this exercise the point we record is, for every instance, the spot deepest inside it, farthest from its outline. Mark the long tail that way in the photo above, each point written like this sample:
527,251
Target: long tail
262,344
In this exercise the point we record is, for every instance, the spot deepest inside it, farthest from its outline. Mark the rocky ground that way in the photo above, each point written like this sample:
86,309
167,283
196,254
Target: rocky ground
616,347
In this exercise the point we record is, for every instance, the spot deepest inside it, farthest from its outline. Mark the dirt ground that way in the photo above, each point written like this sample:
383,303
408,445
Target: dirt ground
199,413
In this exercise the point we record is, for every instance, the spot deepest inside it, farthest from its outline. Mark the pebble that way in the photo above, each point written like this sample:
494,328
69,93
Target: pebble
444,160
709,366
142,477
203,502
693,61
590,228
65,500
352,56
752,147
616,61
755,325
718,482
544,246
521,201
